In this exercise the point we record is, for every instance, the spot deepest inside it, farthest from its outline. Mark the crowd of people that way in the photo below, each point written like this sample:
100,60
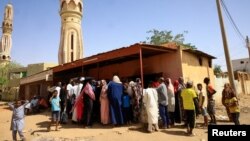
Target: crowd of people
85,101
160,105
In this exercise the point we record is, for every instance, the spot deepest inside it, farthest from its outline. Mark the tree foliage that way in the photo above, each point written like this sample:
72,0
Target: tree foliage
217,70
4,70
161,37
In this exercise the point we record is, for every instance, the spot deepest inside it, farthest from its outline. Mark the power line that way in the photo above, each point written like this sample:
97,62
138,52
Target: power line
232,21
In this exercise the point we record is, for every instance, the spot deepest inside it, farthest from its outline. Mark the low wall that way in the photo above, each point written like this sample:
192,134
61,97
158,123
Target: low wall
11,95
219,85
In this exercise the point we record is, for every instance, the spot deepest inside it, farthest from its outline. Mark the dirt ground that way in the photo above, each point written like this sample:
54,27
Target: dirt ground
35,128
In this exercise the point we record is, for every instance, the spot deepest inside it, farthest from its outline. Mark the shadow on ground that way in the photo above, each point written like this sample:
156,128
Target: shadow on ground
141,129
175,132
39,131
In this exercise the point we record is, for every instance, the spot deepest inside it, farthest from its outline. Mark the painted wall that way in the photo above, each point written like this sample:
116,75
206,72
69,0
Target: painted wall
192,70
36,68
38,88
219,85
241,65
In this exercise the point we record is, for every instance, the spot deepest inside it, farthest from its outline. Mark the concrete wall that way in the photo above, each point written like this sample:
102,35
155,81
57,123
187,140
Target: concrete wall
192,70
14,83
36,68
38,88
244,79
219,85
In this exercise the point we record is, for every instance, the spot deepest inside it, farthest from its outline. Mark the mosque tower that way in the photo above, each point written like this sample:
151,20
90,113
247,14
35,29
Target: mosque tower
6,39
71,43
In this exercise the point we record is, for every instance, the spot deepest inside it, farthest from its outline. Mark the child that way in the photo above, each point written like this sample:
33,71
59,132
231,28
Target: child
203,104
210,100
126,108
17,120
55,107
234,109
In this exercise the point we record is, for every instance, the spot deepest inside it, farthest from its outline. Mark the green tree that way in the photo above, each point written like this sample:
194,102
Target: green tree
4,70
217,70
161,37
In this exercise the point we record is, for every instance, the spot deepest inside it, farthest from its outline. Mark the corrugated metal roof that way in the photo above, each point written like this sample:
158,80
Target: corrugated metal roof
125,52
199,53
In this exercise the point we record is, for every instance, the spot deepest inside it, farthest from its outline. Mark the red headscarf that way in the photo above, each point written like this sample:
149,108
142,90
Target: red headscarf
176,84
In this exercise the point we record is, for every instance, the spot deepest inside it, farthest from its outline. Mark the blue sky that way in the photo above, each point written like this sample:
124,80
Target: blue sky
111,24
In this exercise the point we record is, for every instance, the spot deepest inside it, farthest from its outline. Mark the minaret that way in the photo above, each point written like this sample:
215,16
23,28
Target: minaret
6,40
71,43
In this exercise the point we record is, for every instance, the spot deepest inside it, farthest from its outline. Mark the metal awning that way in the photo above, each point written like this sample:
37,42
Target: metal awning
118,55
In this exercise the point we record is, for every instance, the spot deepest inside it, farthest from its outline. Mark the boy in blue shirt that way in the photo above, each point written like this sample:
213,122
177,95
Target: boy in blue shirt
55,108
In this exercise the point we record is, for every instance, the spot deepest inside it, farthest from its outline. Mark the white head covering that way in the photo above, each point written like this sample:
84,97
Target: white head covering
116,79
82,78
170,85
103,82
130,90
132,83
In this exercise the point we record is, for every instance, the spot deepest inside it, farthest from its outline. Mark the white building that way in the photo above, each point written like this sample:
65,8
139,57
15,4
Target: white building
241,65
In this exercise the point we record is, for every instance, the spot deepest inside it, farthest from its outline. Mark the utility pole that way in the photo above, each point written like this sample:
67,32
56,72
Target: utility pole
226,51
248,46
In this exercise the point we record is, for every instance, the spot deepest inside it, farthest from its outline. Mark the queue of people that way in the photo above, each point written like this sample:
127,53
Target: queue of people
86,101
160,105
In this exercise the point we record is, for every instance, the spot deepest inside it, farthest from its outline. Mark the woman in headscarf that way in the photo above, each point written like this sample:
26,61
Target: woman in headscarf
78,108
89,97
135,98
104,103
227,93
171,100
138,99
78,105
115,91
230,100
178,86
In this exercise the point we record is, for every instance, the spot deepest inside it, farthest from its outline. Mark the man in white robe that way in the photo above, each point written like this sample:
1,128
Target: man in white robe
150,100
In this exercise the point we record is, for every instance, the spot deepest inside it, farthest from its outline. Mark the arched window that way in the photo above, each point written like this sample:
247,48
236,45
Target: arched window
9,13
80,7
72,46
63,6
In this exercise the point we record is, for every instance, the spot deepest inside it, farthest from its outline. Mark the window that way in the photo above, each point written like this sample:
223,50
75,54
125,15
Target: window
80,7
72,56
210,63
72,47
72,41
200,61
